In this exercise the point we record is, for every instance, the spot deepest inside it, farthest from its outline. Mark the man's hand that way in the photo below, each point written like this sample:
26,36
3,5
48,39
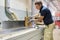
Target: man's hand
39,19
36,15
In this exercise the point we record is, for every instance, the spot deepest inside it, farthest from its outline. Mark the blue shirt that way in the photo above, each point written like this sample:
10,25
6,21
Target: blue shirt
47,15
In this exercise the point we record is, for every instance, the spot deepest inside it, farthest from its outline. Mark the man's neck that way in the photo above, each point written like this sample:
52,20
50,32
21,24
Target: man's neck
41,8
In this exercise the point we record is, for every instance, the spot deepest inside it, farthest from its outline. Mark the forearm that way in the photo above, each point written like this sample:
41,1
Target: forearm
39,18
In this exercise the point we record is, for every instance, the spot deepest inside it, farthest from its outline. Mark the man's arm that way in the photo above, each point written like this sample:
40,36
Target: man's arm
36,15
43,14
40,19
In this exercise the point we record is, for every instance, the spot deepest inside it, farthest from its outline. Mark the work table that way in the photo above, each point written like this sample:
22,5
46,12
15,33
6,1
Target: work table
20,34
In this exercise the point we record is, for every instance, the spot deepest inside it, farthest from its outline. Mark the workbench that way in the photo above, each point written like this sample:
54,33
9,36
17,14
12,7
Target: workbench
21,33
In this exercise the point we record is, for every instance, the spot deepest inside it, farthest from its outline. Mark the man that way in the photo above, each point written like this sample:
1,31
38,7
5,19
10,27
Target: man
47,18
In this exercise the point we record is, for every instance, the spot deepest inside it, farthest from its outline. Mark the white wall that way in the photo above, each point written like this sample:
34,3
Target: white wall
2,11
19,8
16,6
28,6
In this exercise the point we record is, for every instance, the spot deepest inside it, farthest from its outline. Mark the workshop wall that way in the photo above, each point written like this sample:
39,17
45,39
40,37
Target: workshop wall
2,11
17,6
21,7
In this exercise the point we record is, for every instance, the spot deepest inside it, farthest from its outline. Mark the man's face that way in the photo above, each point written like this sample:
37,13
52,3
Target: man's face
38,6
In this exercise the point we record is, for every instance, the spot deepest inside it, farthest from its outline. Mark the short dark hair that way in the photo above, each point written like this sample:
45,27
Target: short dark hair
39,3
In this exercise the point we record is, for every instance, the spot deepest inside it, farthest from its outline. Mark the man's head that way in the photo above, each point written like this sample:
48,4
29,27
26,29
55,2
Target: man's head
38,5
